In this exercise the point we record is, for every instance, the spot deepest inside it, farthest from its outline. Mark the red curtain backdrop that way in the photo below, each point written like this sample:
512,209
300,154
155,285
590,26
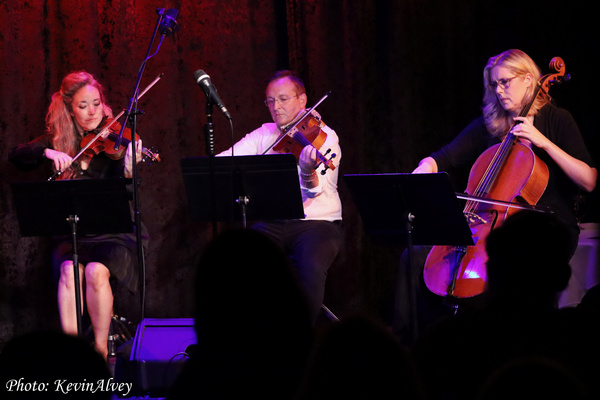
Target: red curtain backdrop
404,76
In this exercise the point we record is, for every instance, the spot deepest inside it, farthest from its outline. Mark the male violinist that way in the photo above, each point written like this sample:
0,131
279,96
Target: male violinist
313,242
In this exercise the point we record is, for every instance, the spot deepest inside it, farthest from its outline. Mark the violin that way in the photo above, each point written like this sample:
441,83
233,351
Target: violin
306,131
103,139
508,172
95,143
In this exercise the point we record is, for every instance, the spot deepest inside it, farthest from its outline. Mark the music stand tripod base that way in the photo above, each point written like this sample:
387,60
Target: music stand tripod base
72,207
414,209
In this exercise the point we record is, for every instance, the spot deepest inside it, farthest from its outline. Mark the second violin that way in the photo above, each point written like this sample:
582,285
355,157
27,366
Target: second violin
307,131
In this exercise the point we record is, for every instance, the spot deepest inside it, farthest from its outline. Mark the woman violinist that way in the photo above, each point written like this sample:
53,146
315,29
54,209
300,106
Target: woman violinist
80,107
510,80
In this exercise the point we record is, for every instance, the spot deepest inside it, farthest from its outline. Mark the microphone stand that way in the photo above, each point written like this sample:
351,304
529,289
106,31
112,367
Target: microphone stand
131,113
209,136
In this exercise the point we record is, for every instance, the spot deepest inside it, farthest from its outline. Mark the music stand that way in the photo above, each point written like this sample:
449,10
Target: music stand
69,207
257,187
419,208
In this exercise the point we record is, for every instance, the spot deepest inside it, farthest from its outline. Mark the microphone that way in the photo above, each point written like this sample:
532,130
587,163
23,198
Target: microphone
168,24
203,80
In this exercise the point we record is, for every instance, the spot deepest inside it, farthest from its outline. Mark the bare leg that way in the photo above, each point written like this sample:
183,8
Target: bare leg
99,298
66,297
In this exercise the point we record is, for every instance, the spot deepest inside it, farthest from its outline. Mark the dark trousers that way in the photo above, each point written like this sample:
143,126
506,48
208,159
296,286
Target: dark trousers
313,246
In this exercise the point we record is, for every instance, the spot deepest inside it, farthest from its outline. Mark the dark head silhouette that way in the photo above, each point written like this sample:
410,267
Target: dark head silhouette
244,277
252,322
528,257
53,358
532,378
359,358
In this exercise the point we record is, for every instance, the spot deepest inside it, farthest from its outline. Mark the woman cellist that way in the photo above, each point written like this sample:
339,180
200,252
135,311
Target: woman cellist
510,81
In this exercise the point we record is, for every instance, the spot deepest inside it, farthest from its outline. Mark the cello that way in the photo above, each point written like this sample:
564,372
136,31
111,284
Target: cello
507,174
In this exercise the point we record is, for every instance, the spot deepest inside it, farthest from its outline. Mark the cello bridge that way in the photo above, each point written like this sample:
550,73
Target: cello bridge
473,218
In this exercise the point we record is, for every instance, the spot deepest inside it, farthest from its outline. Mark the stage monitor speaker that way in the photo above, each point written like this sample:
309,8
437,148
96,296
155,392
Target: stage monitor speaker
160,349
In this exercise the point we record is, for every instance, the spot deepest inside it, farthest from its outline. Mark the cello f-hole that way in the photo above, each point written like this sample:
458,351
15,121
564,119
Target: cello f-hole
495,213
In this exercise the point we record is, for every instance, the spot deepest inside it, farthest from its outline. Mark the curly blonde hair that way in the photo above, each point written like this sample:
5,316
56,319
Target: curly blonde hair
497,119
59,121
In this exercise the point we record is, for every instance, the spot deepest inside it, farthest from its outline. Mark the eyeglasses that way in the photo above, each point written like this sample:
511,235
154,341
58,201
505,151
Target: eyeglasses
282,100
503,83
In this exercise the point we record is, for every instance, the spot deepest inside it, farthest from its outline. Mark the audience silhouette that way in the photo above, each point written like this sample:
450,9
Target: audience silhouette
591,300
256,339
532,378
359,358
527,266
252,322
53,365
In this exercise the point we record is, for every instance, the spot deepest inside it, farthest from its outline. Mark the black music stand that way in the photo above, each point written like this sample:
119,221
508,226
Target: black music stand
418,209
71,207
257,187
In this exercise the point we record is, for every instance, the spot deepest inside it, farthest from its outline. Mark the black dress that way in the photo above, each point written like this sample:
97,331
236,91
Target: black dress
118,252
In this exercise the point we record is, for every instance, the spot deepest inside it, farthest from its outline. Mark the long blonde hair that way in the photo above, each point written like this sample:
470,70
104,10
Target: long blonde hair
59,122
497,119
